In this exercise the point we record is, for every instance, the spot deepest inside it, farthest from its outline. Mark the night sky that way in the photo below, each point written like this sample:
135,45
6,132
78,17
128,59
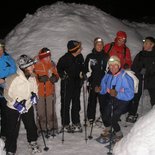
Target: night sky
13,12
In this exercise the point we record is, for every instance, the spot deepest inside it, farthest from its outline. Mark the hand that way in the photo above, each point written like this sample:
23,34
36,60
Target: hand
20,106
83,76
34,98
2,81
113,92
53,78
43,78
97,89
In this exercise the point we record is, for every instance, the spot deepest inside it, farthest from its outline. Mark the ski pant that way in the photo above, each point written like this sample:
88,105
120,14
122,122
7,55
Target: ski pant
134,103
3,116
112,113
92,103
13,123
152,96
70,96
47,113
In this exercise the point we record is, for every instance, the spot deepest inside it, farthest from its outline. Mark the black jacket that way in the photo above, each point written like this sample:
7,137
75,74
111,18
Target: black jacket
144,63
70,65
98,66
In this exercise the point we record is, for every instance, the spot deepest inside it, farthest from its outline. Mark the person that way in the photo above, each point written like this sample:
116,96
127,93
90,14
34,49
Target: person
7,68
21,94
119,48
95,66
144,68
47,76
70,66
118,87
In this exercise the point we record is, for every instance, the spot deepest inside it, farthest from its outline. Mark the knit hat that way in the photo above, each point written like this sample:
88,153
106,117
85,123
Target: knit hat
25,61
150,38
98,40
73,46
114,60
44,52
121,34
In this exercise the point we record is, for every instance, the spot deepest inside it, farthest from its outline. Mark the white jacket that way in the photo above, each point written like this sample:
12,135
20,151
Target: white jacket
18,87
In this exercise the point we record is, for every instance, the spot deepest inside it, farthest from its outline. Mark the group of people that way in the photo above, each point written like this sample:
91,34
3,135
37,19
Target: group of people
29,87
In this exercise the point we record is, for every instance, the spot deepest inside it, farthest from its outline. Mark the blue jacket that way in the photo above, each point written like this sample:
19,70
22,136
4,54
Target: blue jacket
124,85
7,65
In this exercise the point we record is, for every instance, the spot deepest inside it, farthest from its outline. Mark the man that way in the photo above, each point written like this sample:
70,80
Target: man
21,93
95,67
47,76
118,87
119,48
69,66
144,68
7,68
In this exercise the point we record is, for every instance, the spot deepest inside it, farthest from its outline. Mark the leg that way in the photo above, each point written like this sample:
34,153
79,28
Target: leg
152,96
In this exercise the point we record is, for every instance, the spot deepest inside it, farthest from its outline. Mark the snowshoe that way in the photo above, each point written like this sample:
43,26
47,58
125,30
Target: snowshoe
102,140
10,153
76,128
99,122
132,118
34,147
111,146
66,128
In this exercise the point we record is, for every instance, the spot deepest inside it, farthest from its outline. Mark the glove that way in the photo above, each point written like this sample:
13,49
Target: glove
43,78
20,106
53,78
83,76
34,98
113,92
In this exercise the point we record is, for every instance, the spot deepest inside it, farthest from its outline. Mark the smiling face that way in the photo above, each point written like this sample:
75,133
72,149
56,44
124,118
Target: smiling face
99,46
148,45
114,68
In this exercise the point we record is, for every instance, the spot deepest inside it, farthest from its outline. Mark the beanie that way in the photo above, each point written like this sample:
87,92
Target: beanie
73,46
121,34
44,52
25,61
114,60
98,40
150,38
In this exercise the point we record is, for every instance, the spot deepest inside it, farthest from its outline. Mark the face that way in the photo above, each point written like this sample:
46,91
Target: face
77,52
148,45
121,41
114,68
99,47
46,59
1,51
30,70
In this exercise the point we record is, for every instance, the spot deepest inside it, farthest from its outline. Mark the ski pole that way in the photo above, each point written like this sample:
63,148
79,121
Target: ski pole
111,129
45,147
85,114
53,114
47,135
63,119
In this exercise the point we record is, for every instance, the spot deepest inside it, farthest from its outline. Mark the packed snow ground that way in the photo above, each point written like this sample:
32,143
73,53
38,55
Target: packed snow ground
53,26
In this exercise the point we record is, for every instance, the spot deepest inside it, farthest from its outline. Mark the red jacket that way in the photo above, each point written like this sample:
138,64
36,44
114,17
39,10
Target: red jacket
119,51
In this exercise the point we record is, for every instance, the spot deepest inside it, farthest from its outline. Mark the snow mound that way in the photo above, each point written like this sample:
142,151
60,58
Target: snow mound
141,139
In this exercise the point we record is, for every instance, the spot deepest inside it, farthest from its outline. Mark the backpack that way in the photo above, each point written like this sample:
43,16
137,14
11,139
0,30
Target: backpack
111,46
135,79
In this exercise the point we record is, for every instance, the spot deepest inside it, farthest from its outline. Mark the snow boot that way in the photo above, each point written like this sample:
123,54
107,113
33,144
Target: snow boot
34,147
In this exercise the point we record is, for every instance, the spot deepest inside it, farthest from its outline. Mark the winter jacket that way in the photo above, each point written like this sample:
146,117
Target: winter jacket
19,88
124,85
144,63
119,51
70,65
46,68
95,64
7,65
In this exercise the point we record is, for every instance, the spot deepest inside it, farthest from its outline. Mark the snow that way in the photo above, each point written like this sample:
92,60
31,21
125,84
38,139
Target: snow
53,26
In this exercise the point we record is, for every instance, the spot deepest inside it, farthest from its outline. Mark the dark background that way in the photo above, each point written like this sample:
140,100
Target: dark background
13,12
